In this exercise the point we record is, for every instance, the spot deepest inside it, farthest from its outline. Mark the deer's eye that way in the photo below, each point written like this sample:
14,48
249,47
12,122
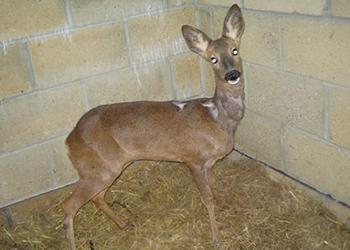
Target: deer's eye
213,59
235,52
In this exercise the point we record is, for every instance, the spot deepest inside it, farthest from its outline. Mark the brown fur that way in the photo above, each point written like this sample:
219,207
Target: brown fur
108,138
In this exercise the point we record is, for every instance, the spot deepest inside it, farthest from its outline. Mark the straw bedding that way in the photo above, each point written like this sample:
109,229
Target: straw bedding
163,203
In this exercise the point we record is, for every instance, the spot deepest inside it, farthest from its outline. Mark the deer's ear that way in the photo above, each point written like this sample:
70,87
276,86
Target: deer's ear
234,23
196,40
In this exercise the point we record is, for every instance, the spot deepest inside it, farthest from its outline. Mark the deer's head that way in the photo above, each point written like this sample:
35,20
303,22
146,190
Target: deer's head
223,53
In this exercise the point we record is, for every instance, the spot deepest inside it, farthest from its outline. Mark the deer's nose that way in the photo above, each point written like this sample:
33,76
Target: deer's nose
233,75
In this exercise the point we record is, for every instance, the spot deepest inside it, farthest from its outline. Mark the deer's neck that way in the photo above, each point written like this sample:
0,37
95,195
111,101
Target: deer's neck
229,100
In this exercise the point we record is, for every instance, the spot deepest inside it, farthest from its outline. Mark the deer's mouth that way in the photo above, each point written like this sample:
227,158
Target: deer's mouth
234,82
233,77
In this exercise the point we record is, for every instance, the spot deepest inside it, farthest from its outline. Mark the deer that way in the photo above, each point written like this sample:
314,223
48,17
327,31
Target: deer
196,132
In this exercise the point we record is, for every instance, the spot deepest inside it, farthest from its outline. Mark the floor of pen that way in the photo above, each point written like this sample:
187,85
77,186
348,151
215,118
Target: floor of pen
163,204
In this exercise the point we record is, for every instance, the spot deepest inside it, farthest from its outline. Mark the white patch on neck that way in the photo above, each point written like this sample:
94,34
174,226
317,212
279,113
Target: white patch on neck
238,100
210,105
180,105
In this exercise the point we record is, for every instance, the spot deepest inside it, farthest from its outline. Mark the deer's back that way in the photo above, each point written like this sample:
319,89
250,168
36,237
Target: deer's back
153,130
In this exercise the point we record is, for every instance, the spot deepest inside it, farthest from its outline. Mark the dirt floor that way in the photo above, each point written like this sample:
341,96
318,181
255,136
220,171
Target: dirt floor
163,203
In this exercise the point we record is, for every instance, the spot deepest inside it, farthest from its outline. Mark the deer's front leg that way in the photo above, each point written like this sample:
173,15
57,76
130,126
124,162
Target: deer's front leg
212,181
201,177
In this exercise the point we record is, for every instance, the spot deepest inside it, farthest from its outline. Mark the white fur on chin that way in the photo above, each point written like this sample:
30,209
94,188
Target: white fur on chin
234,82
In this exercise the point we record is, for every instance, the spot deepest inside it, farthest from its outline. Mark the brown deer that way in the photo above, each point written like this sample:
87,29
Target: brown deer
197,132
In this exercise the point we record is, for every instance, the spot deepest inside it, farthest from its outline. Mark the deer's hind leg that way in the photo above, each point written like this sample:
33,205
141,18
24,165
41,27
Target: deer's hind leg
82,193
95,178
101,203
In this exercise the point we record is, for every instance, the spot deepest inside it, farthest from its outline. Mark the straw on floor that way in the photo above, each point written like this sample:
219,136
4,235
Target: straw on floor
164,205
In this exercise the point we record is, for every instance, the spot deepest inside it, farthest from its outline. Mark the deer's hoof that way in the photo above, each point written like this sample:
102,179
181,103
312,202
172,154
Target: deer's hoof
216,241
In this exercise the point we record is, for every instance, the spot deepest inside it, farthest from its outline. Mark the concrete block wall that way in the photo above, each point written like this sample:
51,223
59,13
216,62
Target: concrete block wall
296,64
59,58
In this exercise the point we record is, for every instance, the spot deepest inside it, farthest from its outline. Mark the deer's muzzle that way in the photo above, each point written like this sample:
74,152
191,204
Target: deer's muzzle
232,75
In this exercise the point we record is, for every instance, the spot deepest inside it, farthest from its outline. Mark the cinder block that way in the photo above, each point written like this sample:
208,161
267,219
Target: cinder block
260,138
207,73
317,48
155,37
173,3
95,11
311,7
260,38
340,8
23,18
208,78
38,116
14,75
339,115
227,3
318,163
290,99
146,82
63,170
187,76
205,24
218,22
86,52
23,174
